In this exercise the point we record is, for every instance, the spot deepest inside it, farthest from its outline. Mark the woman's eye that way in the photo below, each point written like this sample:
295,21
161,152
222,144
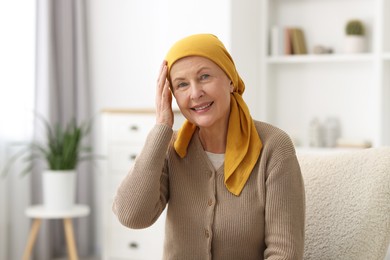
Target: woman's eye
181,85
204,76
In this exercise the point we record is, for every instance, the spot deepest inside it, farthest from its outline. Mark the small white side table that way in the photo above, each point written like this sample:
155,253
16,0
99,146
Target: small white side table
38,212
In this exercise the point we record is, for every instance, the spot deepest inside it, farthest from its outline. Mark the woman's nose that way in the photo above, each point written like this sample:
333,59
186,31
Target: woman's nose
196,91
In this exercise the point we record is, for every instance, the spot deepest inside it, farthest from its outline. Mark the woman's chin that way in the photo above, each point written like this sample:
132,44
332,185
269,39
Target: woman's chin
203,123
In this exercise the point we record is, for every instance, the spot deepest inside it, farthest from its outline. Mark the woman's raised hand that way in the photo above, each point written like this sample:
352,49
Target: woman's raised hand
164,113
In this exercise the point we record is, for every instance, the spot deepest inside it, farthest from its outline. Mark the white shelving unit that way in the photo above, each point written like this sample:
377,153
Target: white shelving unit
354,88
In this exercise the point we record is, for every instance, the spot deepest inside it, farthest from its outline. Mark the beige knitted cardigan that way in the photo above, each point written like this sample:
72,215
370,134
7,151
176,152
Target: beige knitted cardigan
204,220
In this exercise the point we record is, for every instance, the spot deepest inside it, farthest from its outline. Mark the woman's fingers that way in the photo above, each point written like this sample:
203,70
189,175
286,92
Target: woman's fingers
162,74
162,77
161,81
164,114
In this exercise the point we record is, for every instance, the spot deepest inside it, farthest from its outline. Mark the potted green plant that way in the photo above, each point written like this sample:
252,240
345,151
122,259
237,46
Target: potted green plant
62,150
355,36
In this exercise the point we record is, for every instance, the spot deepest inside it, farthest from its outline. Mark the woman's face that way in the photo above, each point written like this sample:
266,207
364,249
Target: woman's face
202,91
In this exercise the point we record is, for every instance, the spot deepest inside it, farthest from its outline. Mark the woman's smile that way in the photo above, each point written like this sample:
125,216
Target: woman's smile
202,107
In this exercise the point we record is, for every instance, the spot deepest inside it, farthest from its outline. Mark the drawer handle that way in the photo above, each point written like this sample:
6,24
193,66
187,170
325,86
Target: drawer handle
133,245
134,128
132,157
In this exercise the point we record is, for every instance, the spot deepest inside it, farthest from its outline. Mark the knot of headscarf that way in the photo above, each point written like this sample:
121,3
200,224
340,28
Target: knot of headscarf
243,143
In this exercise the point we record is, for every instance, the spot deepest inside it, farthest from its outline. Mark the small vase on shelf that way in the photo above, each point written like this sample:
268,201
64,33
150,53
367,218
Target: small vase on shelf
355,41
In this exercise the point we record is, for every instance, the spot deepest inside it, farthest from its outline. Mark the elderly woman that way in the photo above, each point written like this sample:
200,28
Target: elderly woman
232,185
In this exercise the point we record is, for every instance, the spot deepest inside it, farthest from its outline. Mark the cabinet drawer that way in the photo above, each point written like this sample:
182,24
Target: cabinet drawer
129,127
115,181
121,157
146,244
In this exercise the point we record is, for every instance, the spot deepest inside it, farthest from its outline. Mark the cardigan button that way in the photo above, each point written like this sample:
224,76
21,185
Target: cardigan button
207,233
210,202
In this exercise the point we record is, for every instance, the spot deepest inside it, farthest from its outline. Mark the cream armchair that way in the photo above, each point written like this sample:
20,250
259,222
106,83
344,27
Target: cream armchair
347,204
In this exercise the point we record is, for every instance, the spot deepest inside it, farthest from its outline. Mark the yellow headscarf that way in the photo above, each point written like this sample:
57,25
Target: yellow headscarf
243,144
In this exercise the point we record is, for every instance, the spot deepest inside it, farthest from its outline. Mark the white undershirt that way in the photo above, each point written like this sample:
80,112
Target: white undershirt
216,159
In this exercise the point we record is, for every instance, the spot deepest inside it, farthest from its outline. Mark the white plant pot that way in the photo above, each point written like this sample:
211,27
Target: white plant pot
59,189
355,44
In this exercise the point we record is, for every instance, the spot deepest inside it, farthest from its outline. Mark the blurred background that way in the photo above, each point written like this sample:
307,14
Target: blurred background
99,59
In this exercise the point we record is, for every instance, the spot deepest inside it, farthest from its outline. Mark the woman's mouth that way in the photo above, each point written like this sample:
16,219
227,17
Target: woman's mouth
202,107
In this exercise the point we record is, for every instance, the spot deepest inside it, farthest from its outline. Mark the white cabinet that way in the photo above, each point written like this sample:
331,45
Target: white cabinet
355,88
124,133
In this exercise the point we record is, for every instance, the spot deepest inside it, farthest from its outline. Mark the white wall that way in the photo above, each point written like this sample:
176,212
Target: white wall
246,45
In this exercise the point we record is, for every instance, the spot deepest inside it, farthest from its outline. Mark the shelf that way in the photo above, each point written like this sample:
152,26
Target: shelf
366,57
351,87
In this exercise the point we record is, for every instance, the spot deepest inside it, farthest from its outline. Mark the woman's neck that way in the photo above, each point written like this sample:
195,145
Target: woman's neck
213,141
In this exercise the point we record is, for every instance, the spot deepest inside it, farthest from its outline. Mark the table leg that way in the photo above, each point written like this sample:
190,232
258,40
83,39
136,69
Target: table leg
72,250
31,238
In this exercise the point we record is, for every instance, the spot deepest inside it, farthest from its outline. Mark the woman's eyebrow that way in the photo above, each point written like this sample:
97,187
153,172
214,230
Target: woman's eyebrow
203,68
197,72
178,79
